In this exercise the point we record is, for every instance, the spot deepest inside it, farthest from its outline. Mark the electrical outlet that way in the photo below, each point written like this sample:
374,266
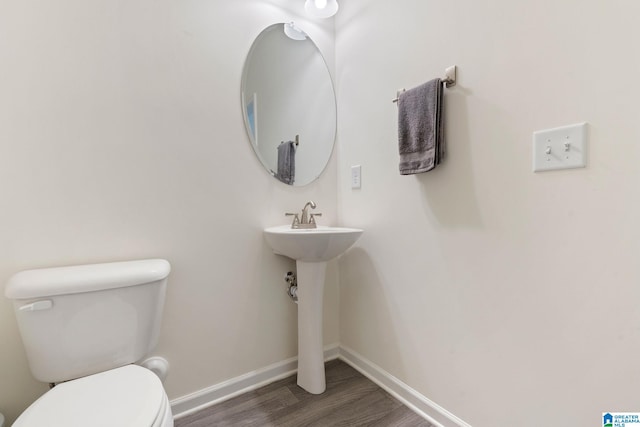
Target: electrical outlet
560,148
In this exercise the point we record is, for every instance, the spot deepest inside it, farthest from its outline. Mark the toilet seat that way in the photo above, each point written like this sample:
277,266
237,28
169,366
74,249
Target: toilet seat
130,396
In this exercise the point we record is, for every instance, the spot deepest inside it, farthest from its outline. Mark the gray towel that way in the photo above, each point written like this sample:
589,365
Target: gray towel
420,131
287,162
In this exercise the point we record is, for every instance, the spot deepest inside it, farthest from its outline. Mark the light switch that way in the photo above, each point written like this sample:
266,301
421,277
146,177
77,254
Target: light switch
355,176
560,148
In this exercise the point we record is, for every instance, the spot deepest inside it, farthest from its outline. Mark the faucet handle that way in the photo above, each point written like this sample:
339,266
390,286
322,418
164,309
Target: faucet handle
312,219
296,219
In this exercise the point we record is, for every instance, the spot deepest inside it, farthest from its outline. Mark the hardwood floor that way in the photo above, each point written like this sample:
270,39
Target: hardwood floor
350,400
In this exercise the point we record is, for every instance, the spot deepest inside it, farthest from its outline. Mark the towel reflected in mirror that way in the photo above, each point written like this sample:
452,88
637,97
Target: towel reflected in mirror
286,162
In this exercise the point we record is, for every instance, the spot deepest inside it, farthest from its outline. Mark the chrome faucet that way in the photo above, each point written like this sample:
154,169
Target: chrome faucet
306,220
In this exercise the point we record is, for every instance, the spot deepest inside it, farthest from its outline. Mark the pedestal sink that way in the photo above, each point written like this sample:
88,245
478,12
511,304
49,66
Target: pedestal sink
311,248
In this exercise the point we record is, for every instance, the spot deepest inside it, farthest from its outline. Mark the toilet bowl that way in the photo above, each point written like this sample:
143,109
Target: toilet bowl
130,396
83,328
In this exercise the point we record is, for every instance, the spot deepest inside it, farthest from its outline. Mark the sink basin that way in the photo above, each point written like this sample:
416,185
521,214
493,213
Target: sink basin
311,248
313,244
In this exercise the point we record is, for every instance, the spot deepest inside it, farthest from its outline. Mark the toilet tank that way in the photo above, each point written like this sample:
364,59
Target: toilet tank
80,320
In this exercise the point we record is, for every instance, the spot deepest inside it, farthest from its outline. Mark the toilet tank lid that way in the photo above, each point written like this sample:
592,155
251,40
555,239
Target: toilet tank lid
46,282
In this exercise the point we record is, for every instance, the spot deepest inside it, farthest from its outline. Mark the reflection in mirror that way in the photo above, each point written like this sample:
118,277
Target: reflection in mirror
288,104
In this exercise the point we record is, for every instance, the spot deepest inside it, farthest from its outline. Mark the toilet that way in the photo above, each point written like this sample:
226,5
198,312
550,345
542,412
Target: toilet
84,328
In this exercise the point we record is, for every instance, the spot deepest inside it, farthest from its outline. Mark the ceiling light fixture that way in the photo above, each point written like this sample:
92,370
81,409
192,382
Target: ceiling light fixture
321,8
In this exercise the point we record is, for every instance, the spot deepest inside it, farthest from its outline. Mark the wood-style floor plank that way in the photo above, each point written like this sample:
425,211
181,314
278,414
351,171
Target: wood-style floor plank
362,412
325,404
401,417
351,400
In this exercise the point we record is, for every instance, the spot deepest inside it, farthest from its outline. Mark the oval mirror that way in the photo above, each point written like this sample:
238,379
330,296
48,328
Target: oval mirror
288,104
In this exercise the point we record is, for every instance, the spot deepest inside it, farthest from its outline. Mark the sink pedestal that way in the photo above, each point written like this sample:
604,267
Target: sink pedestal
311,248
311,277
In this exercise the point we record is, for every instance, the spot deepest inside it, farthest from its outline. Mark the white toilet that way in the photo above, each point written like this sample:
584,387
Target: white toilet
83,327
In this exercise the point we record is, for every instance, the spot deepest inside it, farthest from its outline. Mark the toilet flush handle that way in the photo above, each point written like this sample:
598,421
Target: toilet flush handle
45,304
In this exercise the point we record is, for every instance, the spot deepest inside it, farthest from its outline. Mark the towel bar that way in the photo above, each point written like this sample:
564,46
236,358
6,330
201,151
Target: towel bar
297,141
449,80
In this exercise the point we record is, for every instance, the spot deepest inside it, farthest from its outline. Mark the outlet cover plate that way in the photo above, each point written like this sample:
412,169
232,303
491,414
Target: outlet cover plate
560,148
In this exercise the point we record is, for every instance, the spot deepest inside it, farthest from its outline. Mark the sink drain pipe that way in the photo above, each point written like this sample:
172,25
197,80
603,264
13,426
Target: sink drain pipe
292,285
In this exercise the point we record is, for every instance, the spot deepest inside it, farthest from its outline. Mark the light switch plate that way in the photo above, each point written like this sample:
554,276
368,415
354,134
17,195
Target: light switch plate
560,148
356,176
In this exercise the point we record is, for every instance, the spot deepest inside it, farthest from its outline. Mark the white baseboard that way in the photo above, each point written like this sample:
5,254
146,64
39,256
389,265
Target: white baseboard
432,412
424,407
186,405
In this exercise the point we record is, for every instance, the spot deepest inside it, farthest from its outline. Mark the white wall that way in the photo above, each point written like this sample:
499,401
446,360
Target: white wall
122,137
507,297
